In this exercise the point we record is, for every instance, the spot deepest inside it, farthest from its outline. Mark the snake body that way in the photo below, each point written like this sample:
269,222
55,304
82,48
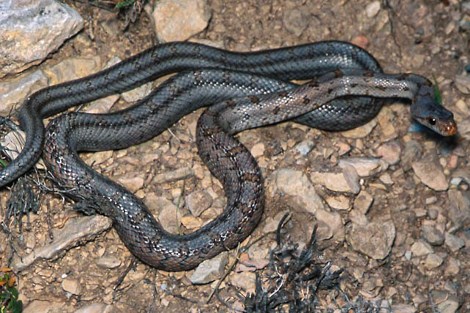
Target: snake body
340,70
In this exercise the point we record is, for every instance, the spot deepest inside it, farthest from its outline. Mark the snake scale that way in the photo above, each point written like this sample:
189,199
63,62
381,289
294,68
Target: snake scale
340,71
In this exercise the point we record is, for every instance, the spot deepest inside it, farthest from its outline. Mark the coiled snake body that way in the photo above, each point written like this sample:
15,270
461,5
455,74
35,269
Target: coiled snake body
348,72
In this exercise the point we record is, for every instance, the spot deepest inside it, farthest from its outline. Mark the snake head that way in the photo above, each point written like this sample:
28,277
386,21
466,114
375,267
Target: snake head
428,111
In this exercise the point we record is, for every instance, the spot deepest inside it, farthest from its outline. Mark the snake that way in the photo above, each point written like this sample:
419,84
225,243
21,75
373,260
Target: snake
339,97
269,101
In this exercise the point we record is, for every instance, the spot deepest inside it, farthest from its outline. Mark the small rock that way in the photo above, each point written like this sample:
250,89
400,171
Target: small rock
305,147
446,302
257,150
453,242
296,185
138,93
363,202
330,225
132,182
390,152
191,222
412,152
245,281
295,21
210,270
432,235
453,267
372,9
338,202
374,239
171,176
432,261
420,248
462,82
72,286
362,131
198,202
348,181
99,157
108,261
431,174
169,215
459,208
364,167
168,15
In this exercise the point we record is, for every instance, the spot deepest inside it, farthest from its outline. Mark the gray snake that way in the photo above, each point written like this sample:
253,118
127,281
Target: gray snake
269,101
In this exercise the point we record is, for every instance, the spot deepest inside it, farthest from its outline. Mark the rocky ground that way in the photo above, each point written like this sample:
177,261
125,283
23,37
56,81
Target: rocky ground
390,201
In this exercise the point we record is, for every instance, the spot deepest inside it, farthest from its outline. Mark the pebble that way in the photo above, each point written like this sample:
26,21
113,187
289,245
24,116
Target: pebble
246,281
295,21
330,225
432,235
27,41
198,202
304,147
363,202
453,267
362,131
446,302
296,184
168,15
372,9
364,167
168,213
453,242
433,261
431,174
108,261
390,152
462,82
347,181
338,202
421,248
257,150
72,286
131,181
72,68
209,270
137,93
171,176
374,239
411,153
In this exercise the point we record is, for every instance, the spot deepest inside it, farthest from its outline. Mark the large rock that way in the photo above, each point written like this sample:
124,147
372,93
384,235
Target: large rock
31,29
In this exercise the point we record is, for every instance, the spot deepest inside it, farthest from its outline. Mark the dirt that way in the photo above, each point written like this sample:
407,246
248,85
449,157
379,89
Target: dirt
405,36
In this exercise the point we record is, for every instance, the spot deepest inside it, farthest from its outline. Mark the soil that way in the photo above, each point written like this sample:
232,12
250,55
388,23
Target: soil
405,36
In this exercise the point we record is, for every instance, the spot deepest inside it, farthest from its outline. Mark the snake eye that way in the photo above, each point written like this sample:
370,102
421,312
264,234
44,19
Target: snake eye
432,121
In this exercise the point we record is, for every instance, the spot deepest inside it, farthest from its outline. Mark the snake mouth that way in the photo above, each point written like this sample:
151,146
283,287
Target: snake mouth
448,128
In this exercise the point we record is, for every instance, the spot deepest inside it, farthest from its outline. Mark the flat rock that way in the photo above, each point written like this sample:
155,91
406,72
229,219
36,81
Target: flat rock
76,231
296,185
210,270
72,286
26,41
330,225
198,202
374,239
390,152
432,235
364,167
347,181
421,248
431,174
362,131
